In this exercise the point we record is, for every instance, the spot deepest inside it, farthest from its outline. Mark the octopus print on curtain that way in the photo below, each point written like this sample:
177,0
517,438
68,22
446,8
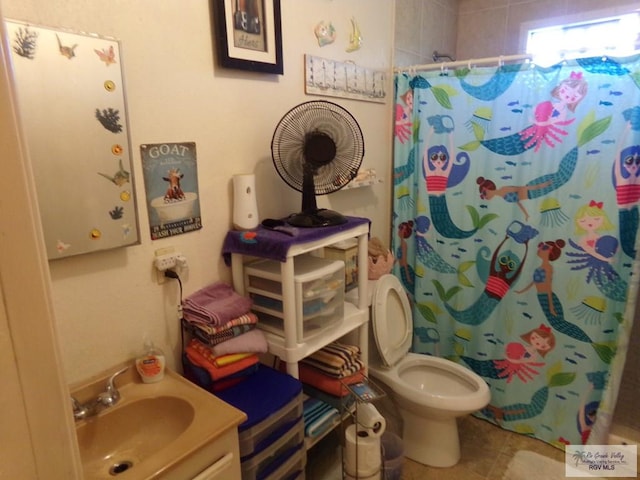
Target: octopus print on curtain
516,196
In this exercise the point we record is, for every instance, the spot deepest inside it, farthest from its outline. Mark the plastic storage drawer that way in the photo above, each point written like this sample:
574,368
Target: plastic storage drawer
272,400
319,294
269,463
292,468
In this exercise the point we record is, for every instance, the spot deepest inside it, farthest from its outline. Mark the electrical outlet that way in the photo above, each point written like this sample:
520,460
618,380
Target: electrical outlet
165,259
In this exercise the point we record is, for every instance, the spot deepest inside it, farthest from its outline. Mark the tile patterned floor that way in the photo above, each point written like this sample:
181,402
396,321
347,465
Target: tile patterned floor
486,453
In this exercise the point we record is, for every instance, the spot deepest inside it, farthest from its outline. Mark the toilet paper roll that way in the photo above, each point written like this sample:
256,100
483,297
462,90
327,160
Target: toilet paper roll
367,450
369,419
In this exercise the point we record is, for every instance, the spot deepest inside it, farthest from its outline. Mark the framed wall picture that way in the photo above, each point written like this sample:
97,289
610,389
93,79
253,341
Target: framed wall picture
249,34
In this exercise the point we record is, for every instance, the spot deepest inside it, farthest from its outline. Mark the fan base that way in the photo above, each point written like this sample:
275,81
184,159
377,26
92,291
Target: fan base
321,217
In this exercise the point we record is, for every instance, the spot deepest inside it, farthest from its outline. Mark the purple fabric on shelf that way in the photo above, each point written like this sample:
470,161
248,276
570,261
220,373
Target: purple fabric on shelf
253,341
275,245
218,302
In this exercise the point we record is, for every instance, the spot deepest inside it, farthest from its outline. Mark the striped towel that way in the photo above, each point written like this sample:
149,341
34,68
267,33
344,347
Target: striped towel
336,359
318,416
244,319
215,335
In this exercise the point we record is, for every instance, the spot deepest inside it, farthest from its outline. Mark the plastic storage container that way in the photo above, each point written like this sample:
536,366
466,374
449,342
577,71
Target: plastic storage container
272,401
392,456
347,251
270,462
319,294
292,468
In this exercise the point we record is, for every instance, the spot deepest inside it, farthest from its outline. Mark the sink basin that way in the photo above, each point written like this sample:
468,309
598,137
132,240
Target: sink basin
152,429
121,438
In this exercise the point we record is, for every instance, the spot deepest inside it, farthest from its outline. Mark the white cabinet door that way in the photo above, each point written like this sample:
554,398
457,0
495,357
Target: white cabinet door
220,470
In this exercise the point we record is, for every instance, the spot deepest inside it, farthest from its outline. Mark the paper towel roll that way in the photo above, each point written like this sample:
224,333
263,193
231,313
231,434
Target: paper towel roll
369,459
370,420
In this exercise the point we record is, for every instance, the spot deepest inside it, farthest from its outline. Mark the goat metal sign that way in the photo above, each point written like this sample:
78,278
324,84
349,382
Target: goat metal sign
171,182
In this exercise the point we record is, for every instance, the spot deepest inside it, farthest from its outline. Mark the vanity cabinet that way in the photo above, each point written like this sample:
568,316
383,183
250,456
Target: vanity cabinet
227,464
291,345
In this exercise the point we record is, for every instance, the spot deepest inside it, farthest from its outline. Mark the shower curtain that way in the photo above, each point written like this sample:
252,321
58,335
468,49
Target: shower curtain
516,196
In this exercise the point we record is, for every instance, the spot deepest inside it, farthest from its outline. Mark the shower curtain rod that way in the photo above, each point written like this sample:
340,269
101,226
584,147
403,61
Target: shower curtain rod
462,63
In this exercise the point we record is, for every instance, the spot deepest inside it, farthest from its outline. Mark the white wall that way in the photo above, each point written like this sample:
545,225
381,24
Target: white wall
106,302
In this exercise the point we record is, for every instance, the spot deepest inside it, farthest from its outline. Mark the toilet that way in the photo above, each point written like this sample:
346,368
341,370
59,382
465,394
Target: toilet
430,392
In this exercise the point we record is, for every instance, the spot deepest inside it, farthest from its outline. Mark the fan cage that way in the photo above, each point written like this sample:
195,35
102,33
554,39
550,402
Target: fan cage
326,118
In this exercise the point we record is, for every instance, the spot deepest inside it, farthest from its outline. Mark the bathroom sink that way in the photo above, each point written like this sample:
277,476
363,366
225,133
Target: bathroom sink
154,430
123,437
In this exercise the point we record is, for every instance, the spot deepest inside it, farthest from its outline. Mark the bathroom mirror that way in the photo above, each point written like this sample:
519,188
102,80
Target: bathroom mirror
71,103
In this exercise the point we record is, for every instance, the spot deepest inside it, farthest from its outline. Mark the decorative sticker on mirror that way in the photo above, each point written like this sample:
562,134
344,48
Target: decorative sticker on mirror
117,149
116,213
110,119
25,43
119,178
107,55
66,50
61,246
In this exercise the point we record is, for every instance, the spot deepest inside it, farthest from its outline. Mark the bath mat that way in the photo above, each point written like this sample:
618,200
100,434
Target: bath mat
526,465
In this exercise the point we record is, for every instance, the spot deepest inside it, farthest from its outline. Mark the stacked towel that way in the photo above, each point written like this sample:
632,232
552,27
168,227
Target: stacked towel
331,385
225,344
318,417
213,335
218,366
200,376
331,368
215,305
336,360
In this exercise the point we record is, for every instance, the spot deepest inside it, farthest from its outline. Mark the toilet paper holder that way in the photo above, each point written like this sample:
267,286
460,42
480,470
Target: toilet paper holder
369,420
362,447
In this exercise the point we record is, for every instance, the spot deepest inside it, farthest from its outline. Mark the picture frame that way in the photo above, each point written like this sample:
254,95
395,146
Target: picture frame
249,35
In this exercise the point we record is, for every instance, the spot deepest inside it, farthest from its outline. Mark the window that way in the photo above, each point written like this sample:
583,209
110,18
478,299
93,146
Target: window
616,36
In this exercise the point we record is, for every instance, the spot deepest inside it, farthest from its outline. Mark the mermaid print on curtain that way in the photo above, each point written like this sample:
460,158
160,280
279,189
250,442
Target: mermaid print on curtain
516,196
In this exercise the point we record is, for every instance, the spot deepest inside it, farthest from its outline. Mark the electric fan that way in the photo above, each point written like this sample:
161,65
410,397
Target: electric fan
317,148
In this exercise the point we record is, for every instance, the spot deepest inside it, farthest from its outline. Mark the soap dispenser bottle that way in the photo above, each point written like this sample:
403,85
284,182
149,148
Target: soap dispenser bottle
150,364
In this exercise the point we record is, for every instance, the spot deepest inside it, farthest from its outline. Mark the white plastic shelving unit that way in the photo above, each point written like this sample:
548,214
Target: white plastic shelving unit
356,315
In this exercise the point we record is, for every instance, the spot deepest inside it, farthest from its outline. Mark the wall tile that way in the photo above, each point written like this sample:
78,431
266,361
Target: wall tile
408,25
405,59
432,30
526,12
481,34
578,6
469,6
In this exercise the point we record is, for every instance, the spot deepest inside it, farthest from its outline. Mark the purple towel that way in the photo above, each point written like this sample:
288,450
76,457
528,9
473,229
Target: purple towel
219,303
265,243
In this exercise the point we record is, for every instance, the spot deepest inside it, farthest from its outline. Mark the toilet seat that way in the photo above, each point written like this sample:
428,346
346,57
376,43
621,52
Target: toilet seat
391,320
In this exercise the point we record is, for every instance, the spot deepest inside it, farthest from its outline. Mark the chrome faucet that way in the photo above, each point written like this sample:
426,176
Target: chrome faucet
106,399
80,412
111,395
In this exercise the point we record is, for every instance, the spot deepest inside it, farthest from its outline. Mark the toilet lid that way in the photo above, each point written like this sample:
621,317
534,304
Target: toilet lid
392,320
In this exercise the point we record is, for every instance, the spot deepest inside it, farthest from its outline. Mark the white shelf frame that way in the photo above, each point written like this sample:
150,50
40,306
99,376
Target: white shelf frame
356,316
